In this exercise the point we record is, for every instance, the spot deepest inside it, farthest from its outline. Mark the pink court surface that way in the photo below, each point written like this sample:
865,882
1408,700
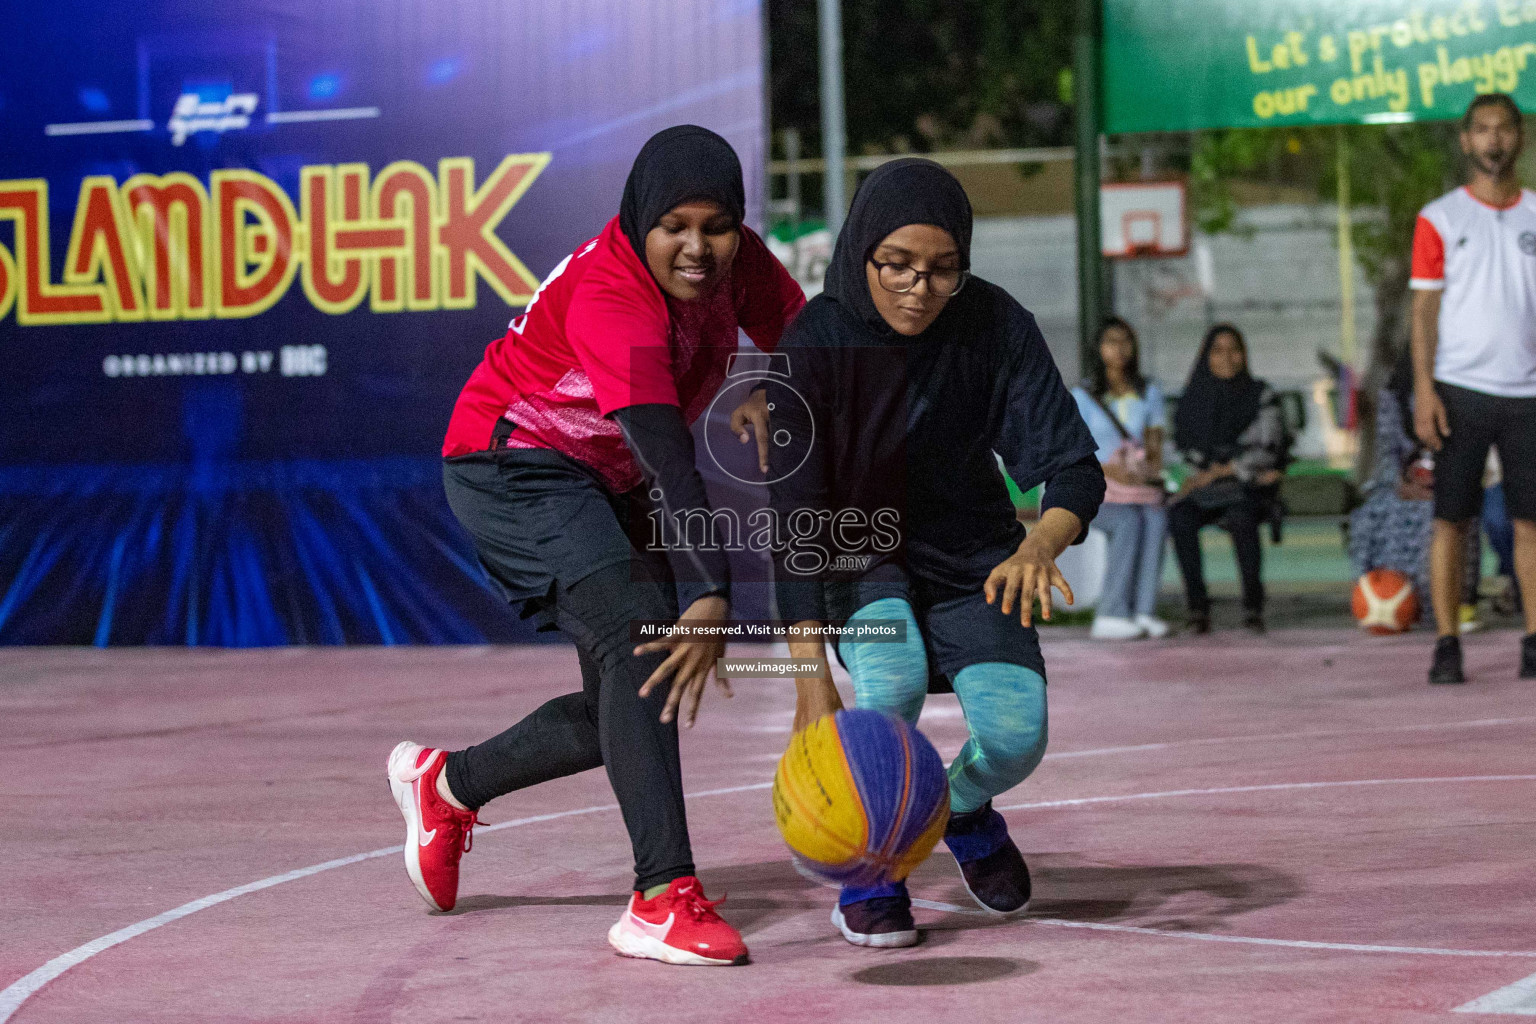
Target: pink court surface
1294,828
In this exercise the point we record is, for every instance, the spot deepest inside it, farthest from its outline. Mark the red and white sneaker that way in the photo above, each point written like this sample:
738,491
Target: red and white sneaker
437,833
679,926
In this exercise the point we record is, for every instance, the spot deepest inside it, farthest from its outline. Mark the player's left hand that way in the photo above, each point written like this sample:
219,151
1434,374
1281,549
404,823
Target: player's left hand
753,413
1026,575
689,662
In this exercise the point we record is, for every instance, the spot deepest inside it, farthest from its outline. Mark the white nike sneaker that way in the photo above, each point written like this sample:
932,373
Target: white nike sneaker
1155,627
1113,627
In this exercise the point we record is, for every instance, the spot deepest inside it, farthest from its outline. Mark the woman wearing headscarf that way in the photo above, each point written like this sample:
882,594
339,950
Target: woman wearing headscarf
909,382
1394,525
1124,410
1392,528
574,425
1230,431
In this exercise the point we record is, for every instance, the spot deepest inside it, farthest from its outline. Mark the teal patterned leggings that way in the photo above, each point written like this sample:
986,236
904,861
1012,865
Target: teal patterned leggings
1004,706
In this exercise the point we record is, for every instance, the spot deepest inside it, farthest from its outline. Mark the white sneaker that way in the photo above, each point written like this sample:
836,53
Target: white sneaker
1155,627
1113,627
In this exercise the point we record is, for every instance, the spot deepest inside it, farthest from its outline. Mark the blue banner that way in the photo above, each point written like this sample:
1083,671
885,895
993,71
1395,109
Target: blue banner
250,251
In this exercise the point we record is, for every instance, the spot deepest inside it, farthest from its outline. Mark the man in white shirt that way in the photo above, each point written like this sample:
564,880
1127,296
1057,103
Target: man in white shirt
1474,361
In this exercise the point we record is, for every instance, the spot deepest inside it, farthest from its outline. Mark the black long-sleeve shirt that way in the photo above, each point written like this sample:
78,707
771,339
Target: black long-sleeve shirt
908,428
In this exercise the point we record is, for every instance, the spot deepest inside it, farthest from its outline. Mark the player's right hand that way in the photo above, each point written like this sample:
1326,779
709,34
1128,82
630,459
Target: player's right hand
1430,421
749,418
814,698
1026,575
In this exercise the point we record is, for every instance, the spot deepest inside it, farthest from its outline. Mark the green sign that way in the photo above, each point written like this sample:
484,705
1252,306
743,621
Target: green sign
1176,65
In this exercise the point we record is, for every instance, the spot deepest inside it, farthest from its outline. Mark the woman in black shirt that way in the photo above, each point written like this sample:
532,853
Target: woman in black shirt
909,383
1229,430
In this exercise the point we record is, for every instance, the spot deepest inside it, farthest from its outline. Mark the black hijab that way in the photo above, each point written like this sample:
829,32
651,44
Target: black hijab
902,192
676,166
1213,413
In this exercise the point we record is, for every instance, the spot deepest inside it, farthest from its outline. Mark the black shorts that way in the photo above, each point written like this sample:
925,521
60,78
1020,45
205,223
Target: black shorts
1480,421
959,628
540,518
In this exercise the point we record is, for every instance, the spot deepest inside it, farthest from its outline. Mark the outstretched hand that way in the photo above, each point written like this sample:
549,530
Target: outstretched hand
689,662
753,413
1025,576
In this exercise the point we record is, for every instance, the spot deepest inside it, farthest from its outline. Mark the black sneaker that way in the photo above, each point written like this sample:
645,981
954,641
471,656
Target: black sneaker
1507,600
1528,657
991,865
884,922
1446,667
1199,623
1253,622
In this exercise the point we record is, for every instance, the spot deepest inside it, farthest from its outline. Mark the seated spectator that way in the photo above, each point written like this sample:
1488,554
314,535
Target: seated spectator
1230,431
1124,411
1392,528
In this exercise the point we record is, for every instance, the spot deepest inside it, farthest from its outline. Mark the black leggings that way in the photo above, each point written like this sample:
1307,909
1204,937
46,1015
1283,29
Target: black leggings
1241,520
606,724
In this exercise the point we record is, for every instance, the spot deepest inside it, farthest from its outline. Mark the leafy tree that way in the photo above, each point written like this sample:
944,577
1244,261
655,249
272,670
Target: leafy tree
921,75
1393,170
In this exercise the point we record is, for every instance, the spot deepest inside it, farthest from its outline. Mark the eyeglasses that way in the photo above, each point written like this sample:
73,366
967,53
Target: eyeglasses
901,278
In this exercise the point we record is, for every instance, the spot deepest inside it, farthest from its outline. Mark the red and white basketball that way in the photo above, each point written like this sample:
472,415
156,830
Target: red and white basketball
1384,602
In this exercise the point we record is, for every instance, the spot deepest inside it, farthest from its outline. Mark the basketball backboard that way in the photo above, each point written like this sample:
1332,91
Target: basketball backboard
1144,218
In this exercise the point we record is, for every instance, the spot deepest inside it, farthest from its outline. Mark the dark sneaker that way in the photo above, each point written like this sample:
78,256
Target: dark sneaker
1446,667
991,865
1528,657
884,922
1199,623
1254,623
1507,600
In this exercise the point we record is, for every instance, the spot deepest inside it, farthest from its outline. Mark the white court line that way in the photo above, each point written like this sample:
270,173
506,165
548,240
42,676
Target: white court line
1249,940
1271,787
98,127
1208,741
1518,999
26,987
18,992
1321,734
1139,748
334,114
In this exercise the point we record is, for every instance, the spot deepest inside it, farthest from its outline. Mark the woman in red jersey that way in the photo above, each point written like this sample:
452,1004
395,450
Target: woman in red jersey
575,424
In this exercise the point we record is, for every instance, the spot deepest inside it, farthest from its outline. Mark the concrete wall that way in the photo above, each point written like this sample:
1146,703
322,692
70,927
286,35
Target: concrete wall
1278,281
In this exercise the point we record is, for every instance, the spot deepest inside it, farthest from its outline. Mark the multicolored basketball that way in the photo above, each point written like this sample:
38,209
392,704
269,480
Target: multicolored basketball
861,797
1384,602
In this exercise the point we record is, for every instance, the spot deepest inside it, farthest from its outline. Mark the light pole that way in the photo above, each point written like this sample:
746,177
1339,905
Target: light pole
834,131
1085,100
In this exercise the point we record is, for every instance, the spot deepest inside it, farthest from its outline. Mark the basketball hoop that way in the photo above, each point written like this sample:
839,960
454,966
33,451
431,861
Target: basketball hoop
1144,219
